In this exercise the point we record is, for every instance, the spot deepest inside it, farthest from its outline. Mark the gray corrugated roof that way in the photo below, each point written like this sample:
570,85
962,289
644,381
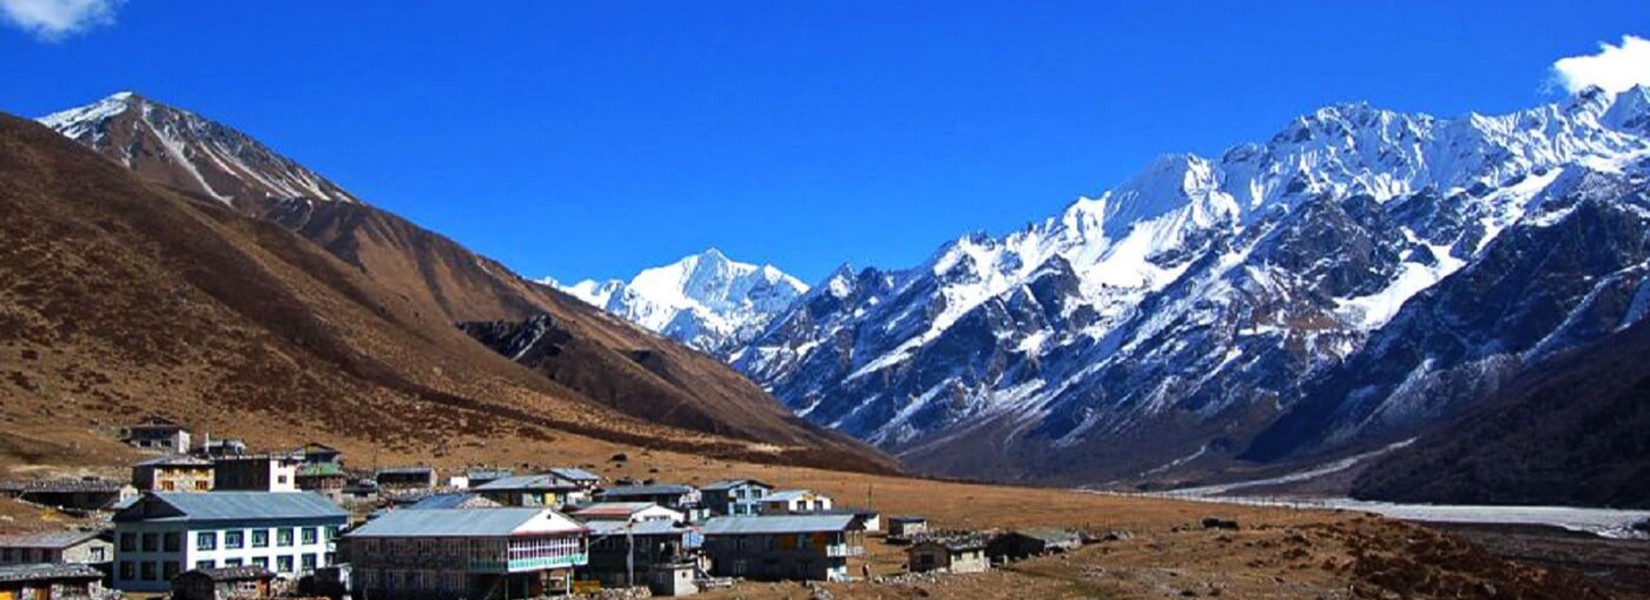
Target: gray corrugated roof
241,573
573,474
453,501
237,506
528,482
647,490
449,522
777,524
655,527
1050,535
788,495
46,539
174,460
44,571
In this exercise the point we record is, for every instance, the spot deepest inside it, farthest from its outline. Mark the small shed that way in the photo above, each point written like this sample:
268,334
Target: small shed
956,553
222,583
45,580
673,578
1026,543
906,528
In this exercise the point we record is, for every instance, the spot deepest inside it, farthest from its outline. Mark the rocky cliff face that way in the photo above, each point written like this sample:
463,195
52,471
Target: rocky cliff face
1286,292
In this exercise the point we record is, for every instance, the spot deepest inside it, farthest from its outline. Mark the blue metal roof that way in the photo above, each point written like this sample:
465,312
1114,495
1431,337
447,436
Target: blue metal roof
647,490
230,506
527,482
572,474
778,524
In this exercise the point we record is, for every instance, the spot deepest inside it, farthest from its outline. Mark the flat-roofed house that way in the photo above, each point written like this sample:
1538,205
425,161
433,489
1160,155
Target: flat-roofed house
174,473
257,473
223,583
793,502
1025,543
479,554
531,491
906,528
326,479
163,534
158,433
788,547
956,553
78,547
45,581
86,493
734,497
393,478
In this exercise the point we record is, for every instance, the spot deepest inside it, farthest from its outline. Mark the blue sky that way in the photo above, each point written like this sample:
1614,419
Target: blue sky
592,139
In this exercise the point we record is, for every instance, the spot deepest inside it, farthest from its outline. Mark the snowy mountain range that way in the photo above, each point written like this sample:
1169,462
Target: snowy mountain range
706,300
1360,275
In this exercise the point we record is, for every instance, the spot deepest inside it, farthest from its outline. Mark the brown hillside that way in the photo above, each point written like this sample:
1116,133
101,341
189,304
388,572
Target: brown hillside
120,297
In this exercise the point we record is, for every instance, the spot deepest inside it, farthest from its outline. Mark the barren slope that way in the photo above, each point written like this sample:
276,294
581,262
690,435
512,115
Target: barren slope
120,297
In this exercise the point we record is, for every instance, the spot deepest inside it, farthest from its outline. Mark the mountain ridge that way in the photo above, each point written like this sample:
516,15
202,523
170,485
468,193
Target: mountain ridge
1170,318
444,280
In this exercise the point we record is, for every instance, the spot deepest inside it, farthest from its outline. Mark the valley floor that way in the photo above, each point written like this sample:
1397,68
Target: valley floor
1276,552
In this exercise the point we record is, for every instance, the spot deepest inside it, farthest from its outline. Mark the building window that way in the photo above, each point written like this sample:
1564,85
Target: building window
146,571
5,555
260,538
99,554
128,542
206,540
151,542
173,541
283,564
204,564
169,570
260,561
311,535
233,539
233,562
283,536
309,562
201,486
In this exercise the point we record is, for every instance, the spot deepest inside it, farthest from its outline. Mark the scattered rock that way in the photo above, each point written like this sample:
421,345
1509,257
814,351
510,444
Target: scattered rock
1219,523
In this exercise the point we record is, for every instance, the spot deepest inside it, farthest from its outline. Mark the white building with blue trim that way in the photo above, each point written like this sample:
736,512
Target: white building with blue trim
162,534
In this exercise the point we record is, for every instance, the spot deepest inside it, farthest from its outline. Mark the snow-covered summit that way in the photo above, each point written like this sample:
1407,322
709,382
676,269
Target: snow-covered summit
706,300
191,152
1200,285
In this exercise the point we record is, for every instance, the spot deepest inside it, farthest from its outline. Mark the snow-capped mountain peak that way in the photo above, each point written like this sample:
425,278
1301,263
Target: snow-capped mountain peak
705,300
1198,287
191,152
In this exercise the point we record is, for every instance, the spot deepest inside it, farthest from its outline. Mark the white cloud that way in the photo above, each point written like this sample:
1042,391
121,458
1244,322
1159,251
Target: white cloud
1613,68
52,20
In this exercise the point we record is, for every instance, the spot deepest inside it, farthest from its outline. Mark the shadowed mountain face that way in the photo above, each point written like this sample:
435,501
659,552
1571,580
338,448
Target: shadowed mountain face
1569,431
438,280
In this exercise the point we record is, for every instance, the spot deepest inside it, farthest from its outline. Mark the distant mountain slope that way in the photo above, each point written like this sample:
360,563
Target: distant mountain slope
1154,332
439,278
706,301
120,298
1570,431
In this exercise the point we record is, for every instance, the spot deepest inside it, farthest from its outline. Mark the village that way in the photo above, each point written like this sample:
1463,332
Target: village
216,520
